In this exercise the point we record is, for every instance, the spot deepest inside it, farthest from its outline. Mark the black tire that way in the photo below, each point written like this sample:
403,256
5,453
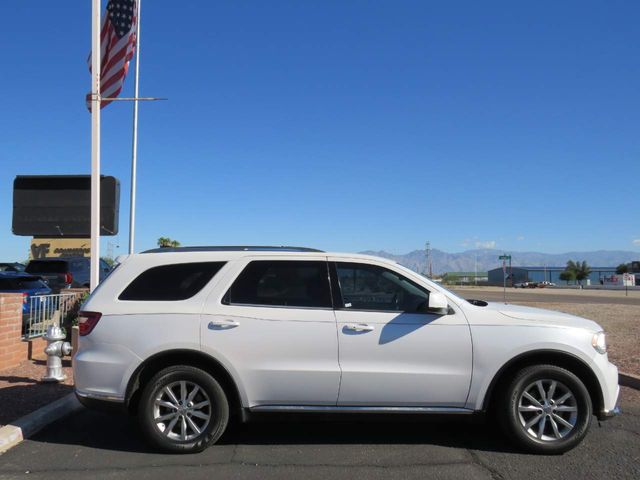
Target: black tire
513,413
211,429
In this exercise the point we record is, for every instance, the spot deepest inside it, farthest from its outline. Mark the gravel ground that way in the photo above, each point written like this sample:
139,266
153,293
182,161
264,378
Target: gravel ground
621,322
22,392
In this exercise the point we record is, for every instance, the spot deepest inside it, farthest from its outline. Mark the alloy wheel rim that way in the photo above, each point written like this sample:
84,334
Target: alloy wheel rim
182,410
547,410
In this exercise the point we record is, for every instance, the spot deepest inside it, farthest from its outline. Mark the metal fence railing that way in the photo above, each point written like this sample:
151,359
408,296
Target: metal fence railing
44,310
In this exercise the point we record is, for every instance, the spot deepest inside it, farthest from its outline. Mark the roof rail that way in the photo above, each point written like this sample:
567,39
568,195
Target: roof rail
232,248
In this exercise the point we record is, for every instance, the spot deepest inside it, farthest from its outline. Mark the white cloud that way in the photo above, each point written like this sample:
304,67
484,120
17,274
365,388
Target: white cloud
636,241
487,244
520,238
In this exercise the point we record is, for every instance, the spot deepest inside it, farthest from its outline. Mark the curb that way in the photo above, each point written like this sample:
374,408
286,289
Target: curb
628,380
14,433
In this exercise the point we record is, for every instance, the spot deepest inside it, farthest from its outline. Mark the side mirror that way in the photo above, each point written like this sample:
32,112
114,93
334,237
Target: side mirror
438,303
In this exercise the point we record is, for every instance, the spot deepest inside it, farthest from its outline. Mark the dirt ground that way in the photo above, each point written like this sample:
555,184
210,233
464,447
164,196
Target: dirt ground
542,292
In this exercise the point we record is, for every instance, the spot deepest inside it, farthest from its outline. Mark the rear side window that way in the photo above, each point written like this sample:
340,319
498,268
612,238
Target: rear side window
284,283
50,266
171,282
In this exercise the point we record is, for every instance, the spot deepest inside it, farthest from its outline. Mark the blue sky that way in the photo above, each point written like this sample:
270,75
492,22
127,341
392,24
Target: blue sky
345,125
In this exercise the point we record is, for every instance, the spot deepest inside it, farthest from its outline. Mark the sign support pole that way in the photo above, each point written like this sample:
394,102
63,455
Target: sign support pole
504,257
95,144
504,281
134,148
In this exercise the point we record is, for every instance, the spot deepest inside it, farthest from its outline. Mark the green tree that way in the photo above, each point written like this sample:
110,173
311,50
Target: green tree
167,242
567,276
622,268
581,270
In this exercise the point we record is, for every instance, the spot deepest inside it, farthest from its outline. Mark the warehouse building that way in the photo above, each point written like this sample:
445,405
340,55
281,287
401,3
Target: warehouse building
464,278
549,274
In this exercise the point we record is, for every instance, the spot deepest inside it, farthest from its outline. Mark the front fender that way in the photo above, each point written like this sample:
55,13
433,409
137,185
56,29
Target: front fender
495,347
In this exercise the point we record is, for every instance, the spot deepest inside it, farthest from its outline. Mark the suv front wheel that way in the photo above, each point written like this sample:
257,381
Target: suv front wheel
546,409
183,409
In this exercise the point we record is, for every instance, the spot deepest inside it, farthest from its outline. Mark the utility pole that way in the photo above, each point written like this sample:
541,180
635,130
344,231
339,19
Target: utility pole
429,264
475,278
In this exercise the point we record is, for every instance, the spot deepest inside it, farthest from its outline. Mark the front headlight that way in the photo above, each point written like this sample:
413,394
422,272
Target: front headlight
599,342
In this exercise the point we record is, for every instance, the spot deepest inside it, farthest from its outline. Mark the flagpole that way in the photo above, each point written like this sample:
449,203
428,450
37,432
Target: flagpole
134,148
95,144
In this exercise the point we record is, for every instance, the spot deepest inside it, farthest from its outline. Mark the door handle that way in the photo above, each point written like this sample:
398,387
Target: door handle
359,327
218,324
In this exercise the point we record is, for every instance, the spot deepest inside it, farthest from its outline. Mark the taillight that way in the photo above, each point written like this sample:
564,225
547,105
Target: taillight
87,321
68,278
25,297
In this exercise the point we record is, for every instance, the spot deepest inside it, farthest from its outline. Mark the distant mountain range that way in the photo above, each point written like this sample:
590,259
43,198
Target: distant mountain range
488,259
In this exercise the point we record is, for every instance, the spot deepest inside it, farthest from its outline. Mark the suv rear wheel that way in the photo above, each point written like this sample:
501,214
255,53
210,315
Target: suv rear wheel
183,409
546,409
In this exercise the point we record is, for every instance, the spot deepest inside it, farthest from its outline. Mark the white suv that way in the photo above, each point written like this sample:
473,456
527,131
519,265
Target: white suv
189,337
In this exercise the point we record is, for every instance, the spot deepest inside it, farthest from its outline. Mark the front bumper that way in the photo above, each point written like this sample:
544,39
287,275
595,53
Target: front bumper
605,414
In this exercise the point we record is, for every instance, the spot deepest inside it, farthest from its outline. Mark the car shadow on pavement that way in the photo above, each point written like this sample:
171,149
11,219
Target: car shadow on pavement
104,431
476,434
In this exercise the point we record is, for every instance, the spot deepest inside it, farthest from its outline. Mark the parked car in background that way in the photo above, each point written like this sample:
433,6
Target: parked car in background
27,285
11,267
189,338
65,272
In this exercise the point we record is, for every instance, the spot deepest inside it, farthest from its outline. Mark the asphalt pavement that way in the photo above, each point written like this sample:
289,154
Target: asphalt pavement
96,445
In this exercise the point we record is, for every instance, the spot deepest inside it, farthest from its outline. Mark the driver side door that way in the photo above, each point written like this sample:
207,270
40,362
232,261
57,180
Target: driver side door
392,351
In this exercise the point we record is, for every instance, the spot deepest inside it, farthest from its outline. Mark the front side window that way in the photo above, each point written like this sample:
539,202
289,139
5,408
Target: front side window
284,283
171,282
370,287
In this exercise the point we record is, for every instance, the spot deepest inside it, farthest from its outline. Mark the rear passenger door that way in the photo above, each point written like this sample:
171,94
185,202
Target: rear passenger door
273,322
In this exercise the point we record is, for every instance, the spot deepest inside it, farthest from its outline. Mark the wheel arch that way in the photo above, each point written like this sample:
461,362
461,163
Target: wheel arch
147,369
559,358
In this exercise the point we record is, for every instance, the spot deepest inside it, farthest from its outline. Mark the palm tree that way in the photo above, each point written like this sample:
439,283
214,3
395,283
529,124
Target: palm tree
167,242
622,268
567,276
581,270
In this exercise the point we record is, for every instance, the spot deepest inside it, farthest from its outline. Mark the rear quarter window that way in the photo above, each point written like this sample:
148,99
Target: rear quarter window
171,282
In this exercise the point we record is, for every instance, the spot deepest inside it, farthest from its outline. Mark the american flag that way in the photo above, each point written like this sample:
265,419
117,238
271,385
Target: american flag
117,46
